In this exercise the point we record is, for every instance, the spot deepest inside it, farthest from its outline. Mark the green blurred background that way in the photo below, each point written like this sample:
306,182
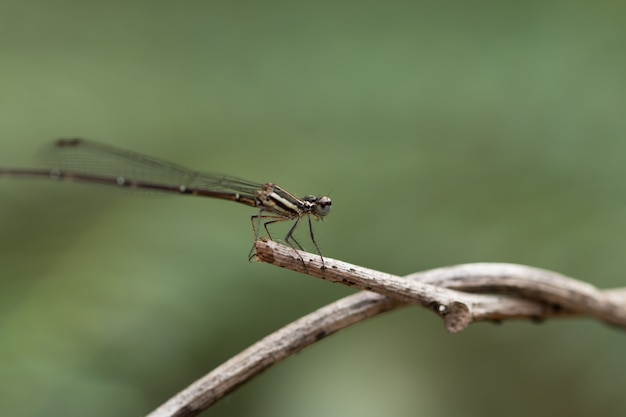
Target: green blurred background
445,132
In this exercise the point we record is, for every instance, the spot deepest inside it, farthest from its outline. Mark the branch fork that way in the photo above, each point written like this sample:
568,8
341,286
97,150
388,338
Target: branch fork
460,295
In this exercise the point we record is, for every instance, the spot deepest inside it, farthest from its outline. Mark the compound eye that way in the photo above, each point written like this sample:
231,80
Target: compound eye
323,206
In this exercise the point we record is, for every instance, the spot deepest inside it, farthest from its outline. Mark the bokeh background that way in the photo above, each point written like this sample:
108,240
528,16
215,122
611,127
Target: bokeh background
445,132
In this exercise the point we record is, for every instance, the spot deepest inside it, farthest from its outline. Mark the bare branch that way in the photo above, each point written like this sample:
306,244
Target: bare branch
530,292
521,292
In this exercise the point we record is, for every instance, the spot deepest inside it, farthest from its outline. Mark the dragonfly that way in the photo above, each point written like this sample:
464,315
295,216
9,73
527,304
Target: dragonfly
80,160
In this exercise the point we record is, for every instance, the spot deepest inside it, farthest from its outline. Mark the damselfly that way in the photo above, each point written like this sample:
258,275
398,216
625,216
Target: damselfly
91,162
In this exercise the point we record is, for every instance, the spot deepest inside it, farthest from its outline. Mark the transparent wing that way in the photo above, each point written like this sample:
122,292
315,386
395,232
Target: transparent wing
96,159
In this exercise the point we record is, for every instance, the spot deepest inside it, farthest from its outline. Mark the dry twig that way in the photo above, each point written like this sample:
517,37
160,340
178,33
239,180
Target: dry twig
460,294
